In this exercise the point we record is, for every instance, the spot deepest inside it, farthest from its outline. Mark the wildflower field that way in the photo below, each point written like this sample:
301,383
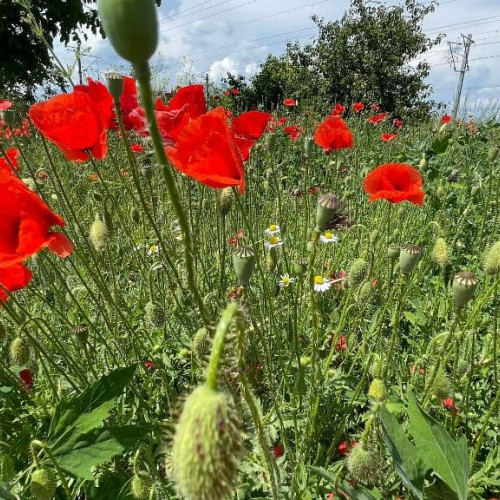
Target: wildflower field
208,303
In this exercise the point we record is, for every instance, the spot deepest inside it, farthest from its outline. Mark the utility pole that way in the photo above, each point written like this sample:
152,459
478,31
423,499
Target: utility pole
207,87
465,67
79,61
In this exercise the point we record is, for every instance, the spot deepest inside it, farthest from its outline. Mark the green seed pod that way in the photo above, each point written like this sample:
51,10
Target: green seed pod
132,28
270,143
141,485
226,198
244,264
308,146
377,391
328,205
43,484
393,251
81,333
358,272
8,116
300,267
154,314
493,153
200,343
464,285
364,464
98,234
440,252
206,446
19,351
492,259
409,257
114,82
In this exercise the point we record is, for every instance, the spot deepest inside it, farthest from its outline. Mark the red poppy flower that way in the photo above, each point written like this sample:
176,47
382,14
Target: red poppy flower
128,101
248,127
278,451
338,110
137,148
206,150
25,224
149,365
358,107
293,131
227,93
100,95
375,107
289,102
12,155
376,119
446,119
282,120
395,182
73,122
27,378
235,92
332,134
388,137
13,278
5,105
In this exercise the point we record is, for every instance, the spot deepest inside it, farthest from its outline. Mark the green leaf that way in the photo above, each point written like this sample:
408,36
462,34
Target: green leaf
446,457
79,453
438,491
360,493
4,492
321,472
440,144
408,465
88,410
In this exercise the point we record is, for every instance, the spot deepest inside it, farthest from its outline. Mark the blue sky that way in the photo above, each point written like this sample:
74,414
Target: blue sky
216,36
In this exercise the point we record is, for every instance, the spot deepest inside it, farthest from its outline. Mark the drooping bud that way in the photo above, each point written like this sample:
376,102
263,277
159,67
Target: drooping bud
98,234
358,272
364,293
440,252
114,82
154,314
43,484
244,264
141,485
328,205
492,259
409,257
19,351
132,28
226,198
206,446
464,285
377,391
201,343
376,368
271,260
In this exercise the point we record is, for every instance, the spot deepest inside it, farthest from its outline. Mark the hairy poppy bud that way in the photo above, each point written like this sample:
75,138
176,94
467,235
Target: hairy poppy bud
114,82
271,260
492,259
377,391
374,236
364,464
132,28
43,484
98,234
141,486
154,314
328,204
201,343
244,264
206,446
441,384
409,257
358,272
19,351
464,285
226,198
440,253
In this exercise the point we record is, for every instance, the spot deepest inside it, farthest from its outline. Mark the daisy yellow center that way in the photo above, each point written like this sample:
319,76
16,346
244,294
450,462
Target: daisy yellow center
286,281
328,235
273,240
272,227
153,248
318,280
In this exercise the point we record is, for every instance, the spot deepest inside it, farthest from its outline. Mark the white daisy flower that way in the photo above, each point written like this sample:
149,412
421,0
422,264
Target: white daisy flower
286,281
153,249
272,230
274,241
328,237
321,284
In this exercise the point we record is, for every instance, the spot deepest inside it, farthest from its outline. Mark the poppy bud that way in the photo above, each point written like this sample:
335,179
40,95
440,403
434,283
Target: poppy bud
141,485
376,368
114,82
364,293
377,391
409,257
132,28
440,192
98,234
364,464
226,200
8,116
441,384
358,272
81,333
200,343
43,484
244,264
300,267
19,351
493,153
440,253
464,285
308,146
154,314
492,259
328,204
206,446
393,251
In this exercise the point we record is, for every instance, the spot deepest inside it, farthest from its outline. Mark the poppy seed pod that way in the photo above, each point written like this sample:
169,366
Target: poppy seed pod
492,259
132,28
206,446
8,116
244,264
464,285
328,205
300,267
114,82
43,484
393,251
409,257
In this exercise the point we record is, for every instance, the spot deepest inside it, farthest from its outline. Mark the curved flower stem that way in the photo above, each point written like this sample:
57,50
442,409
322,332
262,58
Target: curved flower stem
143,77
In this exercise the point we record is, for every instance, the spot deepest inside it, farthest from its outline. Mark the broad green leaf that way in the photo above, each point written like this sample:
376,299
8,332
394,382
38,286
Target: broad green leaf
446,457
320,471
438,491
410,468
79,453
440,144
88,410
